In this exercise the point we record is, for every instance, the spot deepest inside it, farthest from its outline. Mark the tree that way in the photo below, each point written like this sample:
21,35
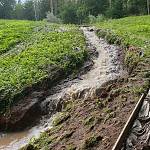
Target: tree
19,1
6,8
136,7
36,9
96,7
43,8
72,11
51,6
148,7
81,13
116,10
18,12
68,13
28,11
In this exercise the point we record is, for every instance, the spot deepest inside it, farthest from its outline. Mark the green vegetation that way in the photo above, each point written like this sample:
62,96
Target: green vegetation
14,32
91,142
49,49
91,119
71,11
60,118
44,140
133,33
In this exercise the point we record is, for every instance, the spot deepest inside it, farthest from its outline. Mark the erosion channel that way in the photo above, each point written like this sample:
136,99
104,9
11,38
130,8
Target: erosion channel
106,66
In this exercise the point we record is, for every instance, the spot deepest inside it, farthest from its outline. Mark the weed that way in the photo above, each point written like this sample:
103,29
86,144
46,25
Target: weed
128,32
46,53
62,117
71,147
91,142
89,120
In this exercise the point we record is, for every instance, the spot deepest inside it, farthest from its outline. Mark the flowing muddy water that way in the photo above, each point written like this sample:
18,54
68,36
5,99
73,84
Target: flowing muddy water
15,140
106,66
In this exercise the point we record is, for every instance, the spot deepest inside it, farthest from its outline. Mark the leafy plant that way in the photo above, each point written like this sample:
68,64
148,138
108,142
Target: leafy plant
133,33
48,50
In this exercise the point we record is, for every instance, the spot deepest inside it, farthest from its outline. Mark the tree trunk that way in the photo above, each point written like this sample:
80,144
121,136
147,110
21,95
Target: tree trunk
110,3
55,7
148,7
35,10
51,6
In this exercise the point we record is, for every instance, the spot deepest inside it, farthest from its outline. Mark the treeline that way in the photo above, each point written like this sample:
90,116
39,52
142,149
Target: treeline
72,11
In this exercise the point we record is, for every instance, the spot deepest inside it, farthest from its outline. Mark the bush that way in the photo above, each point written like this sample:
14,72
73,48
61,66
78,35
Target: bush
51,18
92,19
45,53
99,18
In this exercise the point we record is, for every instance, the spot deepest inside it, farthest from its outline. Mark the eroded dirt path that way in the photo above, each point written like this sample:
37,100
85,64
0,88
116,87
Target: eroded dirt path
107,66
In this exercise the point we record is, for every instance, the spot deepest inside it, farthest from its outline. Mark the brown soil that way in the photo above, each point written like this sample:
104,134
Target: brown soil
95,123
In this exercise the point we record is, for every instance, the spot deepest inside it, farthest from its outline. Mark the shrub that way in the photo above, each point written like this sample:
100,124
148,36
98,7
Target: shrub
51,18
99,18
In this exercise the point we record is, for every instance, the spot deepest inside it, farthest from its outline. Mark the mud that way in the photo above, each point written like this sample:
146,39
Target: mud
106,66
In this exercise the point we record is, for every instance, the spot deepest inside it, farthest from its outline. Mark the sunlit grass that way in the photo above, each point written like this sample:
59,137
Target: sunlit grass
50,46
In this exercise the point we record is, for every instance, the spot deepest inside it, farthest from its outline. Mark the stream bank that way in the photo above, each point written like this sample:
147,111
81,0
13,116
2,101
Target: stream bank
106,67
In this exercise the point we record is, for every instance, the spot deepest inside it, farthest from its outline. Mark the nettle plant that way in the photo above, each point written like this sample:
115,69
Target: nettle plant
45,48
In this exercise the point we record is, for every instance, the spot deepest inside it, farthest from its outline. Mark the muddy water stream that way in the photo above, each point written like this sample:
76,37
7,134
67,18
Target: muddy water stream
15,140
106,67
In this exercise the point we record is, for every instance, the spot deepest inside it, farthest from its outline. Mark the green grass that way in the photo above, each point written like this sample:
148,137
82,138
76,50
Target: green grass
13,32
134,30
46,49
133,33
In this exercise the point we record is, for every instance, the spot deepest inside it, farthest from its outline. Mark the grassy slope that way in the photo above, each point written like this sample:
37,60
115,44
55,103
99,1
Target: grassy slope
9,36
133,33
96,123
46,49
134,30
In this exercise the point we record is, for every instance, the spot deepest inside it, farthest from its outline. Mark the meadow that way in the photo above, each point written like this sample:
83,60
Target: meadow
31,50
14,32
133,33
